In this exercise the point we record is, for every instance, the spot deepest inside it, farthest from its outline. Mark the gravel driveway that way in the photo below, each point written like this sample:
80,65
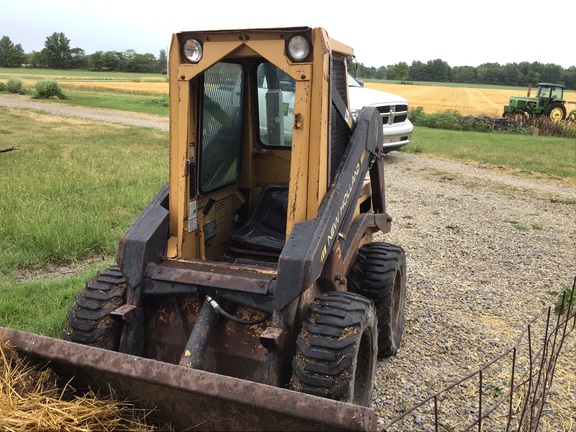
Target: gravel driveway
484,247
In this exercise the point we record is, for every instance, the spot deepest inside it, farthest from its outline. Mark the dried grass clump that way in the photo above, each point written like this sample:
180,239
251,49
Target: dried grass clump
32,401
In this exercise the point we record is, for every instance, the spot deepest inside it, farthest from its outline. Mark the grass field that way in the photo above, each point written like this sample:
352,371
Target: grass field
61,190
550,157
29,74
68,194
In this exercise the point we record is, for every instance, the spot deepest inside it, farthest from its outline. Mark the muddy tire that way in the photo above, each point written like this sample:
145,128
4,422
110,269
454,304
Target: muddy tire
379,273
89,321
336,349
555,111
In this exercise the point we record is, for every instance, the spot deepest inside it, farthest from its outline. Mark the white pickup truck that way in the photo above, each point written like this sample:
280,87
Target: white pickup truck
393,110
276,110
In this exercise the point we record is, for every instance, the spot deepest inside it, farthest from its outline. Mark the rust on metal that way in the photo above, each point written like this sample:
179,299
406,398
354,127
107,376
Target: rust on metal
212,274
274,337
190,398
199,337
178,333
125,312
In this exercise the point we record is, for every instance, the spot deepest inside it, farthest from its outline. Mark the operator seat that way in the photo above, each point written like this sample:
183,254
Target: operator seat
266,228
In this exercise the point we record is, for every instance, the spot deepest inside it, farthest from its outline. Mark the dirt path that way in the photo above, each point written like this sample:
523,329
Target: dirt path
111,116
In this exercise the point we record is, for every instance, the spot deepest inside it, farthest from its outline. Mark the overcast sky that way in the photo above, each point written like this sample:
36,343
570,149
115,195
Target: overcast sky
460,32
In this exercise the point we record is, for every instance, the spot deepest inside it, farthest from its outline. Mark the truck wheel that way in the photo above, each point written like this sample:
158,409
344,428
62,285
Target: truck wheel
379,274
555,111
89,321
336,349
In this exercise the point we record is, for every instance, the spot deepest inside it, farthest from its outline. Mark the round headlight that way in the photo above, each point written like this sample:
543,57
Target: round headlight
298,48
192,50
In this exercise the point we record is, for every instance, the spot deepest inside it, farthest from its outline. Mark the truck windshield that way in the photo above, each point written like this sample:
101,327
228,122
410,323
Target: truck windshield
275,106
221,126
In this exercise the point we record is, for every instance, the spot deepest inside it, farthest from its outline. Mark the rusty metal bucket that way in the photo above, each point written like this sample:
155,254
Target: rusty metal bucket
190,399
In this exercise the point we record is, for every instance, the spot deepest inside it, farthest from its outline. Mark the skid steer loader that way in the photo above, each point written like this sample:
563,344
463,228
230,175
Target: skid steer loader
249,294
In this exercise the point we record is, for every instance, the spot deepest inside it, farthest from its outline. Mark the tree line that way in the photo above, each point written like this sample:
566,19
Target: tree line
511,74
58,54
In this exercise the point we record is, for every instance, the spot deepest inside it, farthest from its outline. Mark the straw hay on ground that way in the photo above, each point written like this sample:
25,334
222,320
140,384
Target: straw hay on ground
33,400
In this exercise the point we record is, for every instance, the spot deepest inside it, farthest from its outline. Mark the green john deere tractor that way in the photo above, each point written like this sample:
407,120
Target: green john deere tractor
549,102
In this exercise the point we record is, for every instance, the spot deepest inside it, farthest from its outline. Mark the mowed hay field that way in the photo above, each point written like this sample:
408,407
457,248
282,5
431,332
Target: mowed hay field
489,101
120,86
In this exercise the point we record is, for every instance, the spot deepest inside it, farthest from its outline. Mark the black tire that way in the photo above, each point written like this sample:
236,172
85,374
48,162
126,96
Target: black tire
336,349
379,273
89,321
555,111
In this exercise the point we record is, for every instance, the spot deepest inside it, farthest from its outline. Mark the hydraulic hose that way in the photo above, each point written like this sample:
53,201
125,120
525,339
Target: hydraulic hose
231,317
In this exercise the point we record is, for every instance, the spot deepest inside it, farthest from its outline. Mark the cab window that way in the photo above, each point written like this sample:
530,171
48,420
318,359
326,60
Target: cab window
221,126
275,106
557,92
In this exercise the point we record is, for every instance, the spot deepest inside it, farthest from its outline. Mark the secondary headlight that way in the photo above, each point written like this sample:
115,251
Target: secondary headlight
192,50
298,48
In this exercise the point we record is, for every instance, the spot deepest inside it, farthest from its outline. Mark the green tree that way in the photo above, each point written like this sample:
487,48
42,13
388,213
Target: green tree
569,77
78,59
113,61
490,73
401,71
36,59
360,71
464,74
145,63
95,61
438,70
10,55
381,73
418,72
511,74
551,73
57,52
162,62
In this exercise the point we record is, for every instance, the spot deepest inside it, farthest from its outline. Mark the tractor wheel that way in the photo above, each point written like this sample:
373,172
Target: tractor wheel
520,117
336,349
555,111
89,321
379,274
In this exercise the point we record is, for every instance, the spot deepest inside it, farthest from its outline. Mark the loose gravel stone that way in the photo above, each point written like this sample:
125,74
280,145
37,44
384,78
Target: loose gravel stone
484,249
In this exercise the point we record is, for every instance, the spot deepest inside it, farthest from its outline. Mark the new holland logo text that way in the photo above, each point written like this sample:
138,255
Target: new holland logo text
341,209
